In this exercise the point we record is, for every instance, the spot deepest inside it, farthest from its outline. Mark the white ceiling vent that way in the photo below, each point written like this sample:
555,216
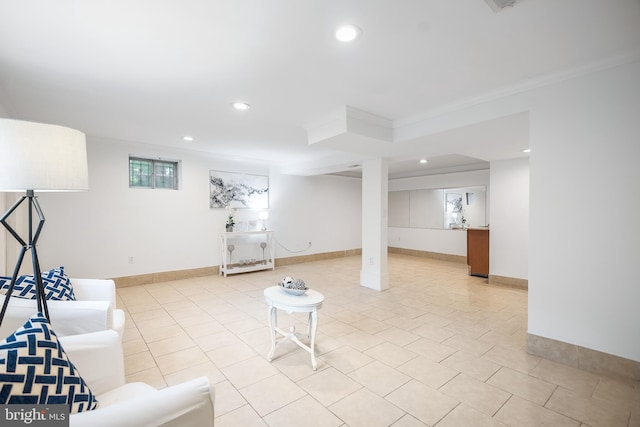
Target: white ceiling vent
498,5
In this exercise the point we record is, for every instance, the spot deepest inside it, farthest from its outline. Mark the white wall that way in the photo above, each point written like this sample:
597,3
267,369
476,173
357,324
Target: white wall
3,235
509,233
93,234
324,210
452,242
585,199
3,207
584,195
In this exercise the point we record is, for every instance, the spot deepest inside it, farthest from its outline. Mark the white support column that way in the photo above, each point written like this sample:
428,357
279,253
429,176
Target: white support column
374,273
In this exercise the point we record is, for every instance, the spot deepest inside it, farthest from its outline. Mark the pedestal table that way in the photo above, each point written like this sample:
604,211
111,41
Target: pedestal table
309,302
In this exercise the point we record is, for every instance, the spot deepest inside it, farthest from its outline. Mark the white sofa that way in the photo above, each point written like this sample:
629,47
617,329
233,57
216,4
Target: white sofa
94,310
99,359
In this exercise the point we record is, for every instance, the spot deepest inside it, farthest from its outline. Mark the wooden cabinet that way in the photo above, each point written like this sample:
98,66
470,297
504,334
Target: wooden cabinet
478,251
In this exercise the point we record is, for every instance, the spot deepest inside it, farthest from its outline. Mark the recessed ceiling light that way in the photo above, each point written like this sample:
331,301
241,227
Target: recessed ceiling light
348,33
423,161
526,150
187,138
241,106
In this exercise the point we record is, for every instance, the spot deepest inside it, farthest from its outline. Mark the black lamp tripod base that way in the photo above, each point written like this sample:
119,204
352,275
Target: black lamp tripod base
29,245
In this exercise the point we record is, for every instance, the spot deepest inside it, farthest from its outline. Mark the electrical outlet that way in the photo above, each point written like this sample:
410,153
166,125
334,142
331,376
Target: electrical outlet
309,243
132,260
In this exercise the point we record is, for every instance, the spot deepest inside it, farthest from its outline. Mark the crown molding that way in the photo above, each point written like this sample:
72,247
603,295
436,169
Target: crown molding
530,84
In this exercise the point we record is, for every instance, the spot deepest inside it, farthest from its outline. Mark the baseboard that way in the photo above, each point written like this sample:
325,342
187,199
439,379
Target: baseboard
167,276
317,257
426,254
511,282
583,358
164,276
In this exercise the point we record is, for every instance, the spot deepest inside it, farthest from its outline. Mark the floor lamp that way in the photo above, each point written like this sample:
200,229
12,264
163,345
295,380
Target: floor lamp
37,157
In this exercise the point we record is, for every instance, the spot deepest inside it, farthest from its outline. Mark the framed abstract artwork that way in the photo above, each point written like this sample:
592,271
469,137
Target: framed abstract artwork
453,203
238,190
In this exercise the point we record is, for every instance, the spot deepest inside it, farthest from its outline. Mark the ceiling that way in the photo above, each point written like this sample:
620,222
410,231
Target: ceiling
151,72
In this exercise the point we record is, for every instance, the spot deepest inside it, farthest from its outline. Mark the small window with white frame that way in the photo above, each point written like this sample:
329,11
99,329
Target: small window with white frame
153,173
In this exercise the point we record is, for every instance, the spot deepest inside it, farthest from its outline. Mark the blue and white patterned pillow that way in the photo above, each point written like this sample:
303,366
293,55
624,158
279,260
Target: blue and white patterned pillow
35,370
57,286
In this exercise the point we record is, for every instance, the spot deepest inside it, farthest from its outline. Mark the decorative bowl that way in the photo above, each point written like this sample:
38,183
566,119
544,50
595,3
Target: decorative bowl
296,292
293,286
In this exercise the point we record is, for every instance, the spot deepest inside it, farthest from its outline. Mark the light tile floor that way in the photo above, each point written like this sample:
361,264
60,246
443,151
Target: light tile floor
439,348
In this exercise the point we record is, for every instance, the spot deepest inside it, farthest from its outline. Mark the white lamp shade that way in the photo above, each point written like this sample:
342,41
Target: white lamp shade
42,157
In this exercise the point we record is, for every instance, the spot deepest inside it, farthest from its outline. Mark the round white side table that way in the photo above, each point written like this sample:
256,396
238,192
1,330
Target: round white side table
310,302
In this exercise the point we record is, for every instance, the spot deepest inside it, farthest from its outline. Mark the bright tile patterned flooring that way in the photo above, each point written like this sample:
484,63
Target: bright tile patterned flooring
439,348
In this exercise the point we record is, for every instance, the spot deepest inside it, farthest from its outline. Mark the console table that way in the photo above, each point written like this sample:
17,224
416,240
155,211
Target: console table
251,251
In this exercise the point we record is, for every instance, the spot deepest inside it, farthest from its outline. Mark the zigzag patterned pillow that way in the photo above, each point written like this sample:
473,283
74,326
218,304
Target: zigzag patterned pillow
57,286
34,370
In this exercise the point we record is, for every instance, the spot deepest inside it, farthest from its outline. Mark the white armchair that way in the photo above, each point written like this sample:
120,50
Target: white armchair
100,290
94,310
100,361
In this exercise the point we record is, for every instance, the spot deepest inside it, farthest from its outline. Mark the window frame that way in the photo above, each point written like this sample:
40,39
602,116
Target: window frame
153,176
